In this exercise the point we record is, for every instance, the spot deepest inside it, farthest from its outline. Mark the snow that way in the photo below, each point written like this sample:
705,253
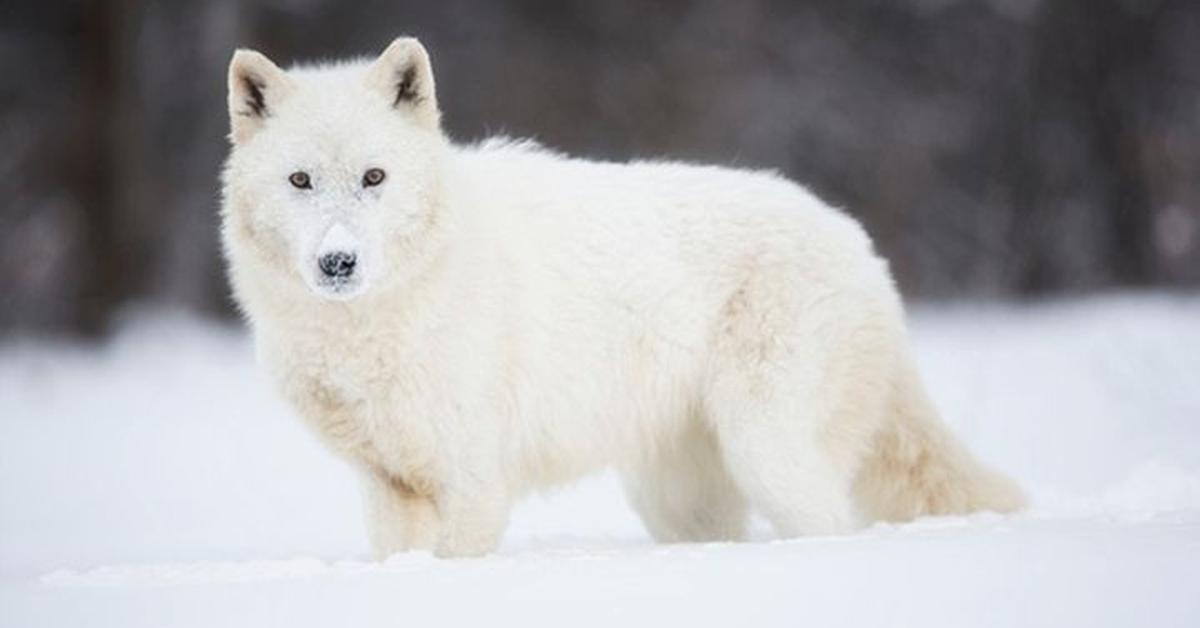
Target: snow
154,480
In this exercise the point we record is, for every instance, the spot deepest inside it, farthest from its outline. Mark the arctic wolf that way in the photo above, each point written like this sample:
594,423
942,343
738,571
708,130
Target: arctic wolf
466,324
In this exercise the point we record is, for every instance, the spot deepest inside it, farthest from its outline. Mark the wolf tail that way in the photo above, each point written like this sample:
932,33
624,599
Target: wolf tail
917,467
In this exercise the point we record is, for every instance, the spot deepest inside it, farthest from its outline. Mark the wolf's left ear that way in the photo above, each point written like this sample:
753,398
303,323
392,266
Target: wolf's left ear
405,77
256,86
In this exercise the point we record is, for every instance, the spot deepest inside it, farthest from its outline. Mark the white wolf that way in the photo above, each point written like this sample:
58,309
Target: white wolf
470,323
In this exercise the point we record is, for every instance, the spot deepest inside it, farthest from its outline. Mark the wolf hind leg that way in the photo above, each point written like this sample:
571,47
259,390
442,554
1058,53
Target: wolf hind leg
793,394
786,476
684,493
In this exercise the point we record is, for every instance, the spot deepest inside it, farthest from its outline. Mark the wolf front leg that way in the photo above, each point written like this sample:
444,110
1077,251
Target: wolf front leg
474,512
398,519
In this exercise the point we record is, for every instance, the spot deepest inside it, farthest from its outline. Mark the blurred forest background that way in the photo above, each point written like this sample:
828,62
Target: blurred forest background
994,148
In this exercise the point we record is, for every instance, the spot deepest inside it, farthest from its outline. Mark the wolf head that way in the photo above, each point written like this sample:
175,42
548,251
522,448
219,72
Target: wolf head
332,184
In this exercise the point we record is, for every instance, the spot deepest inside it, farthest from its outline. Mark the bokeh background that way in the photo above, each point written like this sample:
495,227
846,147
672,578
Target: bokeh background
994,148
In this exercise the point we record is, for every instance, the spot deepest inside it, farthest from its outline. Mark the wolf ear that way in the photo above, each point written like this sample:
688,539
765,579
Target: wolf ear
256,86
405,77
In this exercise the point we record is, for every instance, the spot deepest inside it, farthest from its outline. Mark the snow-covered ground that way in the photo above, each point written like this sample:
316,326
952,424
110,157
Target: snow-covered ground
155,481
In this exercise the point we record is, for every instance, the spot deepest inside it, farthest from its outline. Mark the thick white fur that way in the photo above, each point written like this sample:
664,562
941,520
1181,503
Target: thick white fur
722,337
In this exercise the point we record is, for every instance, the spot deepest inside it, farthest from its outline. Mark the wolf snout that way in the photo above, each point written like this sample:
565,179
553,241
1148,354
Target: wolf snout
337,268
338,264
337,254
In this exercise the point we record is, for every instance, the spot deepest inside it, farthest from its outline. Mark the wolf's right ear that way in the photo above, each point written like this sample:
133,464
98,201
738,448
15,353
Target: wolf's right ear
405,77
256,86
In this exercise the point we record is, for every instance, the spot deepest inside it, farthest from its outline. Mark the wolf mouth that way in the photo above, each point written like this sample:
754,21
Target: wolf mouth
339,288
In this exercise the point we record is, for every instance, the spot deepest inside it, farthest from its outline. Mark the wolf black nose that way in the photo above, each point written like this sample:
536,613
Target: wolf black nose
338,264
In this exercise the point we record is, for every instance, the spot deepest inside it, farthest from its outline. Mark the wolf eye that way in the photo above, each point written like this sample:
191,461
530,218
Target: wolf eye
300,179
373,177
